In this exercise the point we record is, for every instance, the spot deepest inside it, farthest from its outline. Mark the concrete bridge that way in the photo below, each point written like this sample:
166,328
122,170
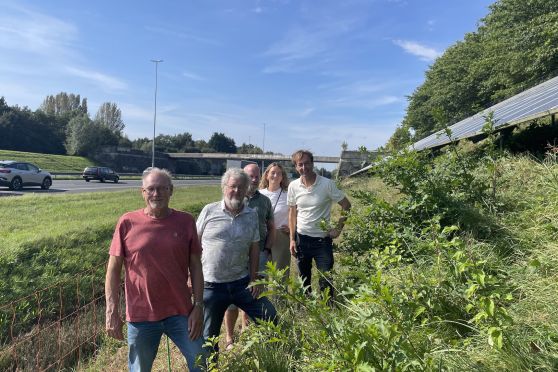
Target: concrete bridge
251,157
347,163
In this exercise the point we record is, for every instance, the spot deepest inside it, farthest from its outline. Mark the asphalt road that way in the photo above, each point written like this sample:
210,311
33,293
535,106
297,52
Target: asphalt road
79,186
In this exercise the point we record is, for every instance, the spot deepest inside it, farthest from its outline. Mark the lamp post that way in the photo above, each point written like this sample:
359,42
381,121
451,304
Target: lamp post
263,148
156,61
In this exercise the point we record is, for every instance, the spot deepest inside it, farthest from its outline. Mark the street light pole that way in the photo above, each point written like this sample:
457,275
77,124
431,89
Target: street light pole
156,61
263,149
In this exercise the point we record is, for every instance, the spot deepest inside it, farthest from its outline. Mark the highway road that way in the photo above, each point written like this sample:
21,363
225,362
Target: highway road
79,186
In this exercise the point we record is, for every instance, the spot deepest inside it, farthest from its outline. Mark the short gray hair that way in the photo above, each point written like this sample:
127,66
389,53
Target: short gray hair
154,170
237,174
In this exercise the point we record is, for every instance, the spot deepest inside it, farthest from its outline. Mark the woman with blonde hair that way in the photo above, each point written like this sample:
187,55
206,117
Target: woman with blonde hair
274,185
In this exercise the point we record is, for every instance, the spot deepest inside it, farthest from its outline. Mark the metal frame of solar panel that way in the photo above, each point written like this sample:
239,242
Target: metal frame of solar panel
539,101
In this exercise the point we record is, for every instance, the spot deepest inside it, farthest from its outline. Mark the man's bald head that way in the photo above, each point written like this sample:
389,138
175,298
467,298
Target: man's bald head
253,172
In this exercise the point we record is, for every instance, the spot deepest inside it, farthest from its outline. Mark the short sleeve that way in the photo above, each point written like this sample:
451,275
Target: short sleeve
117,247
291,198
335,194
200,222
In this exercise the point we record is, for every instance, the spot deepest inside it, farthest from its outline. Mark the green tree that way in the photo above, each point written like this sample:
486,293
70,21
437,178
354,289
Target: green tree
221,143
110,116
64,103
24,130
249,149
400,139
85,137
514,48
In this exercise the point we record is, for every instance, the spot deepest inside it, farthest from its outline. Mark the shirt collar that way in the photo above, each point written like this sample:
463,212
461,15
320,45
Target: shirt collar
224,209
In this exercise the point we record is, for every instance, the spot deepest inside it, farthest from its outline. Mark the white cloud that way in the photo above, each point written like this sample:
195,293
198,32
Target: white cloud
301,47
366,103
192,76
24,30
104,81
421,51
182,35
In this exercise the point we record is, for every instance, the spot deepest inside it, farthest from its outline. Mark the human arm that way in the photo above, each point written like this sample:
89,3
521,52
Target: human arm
195,319
292,229
254,262
345,207
113,321
270,238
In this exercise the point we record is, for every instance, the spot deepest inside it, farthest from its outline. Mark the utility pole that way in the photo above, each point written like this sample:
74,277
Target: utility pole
156,61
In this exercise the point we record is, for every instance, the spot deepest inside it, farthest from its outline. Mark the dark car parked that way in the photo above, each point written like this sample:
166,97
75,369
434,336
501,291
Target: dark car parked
100,173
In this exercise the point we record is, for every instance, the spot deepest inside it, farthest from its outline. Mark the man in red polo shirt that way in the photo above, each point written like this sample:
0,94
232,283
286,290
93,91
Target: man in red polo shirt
159,248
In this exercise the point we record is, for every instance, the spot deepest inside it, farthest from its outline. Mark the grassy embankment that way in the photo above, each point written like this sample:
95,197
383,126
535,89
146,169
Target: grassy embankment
454,277
49,162
46,239
448,264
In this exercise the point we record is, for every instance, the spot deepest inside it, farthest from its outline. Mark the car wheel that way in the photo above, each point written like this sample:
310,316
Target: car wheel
47,182
87,180
102,180
16,184
116,180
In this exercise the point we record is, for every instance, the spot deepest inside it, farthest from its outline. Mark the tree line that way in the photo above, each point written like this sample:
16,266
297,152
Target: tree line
62,125
514,48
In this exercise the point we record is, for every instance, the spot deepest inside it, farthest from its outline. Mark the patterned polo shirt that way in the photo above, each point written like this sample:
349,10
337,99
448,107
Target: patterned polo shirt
226,241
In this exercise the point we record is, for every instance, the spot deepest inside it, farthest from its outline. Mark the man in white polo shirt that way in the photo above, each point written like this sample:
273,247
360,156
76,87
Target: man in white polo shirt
309,199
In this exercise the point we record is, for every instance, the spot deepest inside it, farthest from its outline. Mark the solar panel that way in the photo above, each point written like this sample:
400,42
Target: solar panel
541,100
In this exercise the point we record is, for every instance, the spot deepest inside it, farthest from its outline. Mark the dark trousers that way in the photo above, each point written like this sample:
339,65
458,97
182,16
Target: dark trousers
218,296
309,248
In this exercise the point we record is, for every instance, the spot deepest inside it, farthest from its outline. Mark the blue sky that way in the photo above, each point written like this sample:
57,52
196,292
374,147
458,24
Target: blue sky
315,72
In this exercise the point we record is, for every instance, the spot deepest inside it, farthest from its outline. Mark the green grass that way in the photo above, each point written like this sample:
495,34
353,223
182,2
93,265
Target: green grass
48,239
32,218
49,162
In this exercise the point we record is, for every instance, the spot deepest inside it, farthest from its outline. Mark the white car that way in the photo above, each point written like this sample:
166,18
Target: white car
16,174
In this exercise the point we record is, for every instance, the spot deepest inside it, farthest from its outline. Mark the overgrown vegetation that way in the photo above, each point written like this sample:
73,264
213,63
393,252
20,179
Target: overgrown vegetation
457,271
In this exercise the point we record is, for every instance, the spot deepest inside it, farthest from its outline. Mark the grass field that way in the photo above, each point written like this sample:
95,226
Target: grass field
45,236
47,239
49,162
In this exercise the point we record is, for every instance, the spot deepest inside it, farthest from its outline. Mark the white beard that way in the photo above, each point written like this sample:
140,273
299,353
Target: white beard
234,204
156,204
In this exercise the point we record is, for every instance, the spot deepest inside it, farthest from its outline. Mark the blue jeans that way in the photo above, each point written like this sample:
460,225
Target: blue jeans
144,338
218,296
309,248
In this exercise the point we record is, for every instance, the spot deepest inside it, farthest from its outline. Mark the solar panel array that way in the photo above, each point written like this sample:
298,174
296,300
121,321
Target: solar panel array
541,100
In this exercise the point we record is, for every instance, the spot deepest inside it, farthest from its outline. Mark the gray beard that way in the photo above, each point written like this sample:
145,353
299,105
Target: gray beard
234,204
156,204
252,189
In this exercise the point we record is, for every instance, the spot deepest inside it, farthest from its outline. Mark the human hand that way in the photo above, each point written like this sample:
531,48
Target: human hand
195,322
334,233
114,326
256,290
292,247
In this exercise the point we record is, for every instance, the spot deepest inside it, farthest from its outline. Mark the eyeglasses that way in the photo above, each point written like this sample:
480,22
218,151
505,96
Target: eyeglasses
234,187
160,190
